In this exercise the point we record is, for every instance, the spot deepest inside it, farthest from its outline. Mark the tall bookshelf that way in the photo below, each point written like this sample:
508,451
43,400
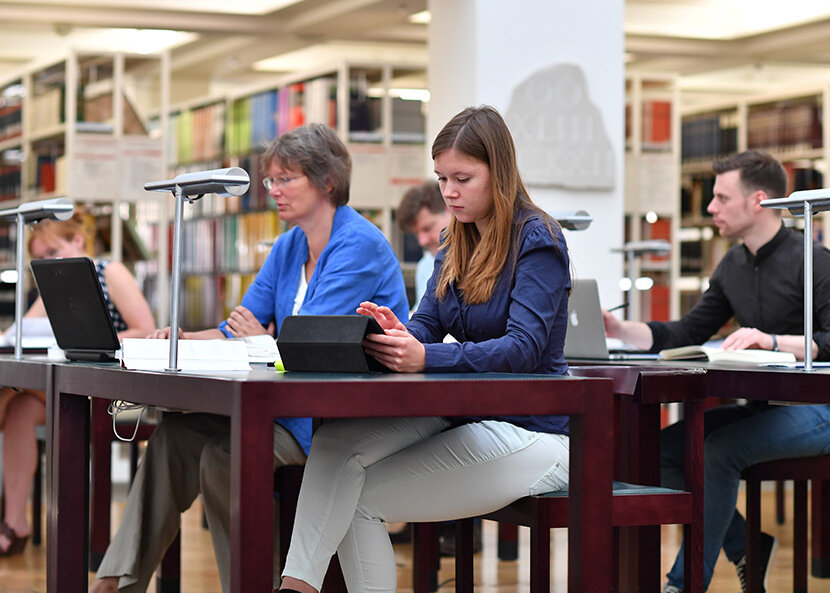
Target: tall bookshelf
11,163
652,142
226,240
76,126
787,124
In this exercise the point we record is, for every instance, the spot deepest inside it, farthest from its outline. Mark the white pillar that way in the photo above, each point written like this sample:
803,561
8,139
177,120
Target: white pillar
481,50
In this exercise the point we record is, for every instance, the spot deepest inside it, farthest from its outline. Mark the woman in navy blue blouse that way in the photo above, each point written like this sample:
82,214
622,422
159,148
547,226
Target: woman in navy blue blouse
500,288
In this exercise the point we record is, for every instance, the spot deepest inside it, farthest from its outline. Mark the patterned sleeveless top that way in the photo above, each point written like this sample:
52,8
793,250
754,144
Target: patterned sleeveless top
117,321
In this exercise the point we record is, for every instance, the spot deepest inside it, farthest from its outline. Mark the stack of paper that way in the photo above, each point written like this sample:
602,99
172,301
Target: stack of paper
262,348
193,355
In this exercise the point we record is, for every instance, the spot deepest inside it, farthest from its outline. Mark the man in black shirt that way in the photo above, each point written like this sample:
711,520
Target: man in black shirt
760,283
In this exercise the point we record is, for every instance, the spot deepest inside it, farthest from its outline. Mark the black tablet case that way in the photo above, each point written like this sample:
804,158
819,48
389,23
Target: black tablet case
76,307
327,343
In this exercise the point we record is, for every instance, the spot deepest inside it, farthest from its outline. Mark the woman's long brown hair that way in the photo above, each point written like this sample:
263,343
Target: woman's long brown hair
474,262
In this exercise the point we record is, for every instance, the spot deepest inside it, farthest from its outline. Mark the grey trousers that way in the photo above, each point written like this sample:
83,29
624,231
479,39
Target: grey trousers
187,454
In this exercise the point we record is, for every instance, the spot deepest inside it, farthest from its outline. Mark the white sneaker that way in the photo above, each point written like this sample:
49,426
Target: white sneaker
669,588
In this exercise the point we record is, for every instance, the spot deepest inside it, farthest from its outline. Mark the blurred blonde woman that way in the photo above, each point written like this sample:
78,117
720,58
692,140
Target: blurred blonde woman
21,410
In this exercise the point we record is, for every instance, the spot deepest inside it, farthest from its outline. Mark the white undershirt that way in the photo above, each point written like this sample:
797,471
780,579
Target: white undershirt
301,290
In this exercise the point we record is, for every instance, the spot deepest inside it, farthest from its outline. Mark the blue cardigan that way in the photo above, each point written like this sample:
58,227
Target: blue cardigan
521,329
357,264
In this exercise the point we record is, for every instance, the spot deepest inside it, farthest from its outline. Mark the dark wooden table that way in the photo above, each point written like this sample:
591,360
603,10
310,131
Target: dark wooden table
777,384
253,399
774,384
641,389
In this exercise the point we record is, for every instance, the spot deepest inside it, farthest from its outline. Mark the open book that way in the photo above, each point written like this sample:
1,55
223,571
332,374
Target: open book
749,356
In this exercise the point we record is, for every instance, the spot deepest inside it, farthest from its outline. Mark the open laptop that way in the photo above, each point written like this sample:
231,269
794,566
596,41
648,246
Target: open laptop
586,330
76,308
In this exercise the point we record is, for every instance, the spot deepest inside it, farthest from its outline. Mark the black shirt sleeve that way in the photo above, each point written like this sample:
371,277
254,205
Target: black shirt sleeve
702,321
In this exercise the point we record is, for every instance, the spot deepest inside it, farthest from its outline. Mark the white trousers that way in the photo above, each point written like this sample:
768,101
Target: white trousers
362,473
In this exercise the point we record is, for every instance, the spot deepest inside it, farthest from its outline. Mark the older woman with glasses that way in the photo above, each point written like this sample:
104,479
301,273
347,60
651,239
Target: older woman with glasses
326,264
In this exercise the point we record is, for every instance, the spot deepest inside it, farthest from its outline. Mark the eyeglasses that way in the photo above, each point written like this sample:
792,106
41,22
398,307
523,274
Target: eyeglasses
270,182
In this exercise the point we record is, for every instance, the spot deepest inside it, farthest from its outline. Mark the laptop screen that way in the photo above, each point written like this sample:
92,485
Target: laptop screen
586,330
76,307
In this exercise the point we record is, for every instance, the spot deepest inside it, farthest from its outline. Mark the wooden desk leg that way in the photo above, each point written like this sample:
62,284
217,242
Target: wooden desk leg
590,533
464,555
639,463
821,529
101,493
508,546
252,496
426,559
800,536
168,575
68,493
693,559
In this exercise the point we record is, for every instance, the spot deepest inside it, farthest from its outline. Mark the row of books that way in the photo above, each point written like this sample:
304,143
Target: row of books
656,124
253,122
800,178
207,300
11,123
792,125
46,109
708,137
229,243
46,173
197,135
247,125
782,127
9,182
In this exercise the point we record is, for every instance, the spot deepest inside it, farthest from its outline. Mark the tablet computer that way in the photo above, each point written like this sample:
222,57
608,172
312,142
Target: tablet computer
327,343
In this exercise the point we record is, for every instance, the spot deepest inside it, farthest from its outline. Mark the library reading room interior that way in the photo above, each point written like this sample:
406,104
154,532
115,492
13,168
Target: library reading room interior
621,113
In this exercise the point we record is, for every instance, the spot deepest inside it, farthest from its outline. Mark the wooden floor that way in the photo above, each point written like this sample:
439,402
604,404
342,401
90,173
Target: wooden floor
26,574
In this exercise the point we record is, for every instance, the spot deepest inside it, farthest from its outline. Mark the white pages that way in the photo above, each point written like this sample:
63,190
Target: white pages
262,348
193,355
37,333
750,356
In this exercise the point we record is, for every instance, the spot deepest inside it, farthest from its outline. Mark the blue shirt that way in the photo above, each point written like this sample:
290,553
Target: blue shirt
357,264
423,271
521,329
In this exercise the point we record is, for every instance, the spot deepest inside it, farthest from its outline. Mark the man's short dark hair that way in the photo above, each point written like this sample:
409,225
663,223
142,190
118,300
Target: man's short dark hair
427,195
759,170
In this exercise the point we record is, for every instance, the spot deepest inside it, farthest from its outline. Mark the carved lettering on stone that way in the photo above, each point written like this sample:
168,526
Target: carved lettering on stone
560,137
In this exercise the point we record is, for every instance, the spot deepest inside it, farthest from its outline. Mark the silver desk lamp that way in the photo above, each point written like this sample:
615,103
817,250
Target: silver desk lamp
632,249
573,220
232,181
635,249
805,203
54,209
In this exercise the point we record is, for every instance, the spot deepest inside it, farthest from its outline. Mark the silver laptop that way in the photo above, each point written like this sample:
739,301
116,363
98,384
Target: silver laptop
586,331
